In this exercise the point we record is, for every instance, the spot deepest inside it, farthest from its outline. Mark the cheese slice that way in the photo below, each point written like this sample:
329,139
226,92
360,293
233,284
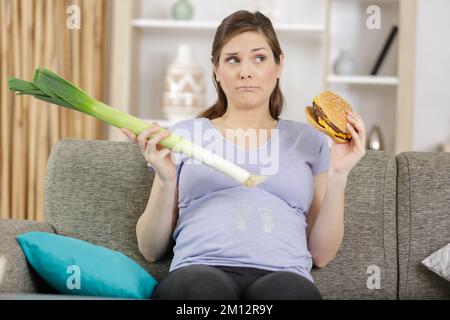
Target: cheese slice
327,127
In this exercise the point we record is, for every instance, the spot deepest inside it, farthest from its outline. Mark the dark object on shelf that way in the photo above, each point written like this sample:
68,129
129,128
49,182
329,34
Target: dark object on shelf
385,50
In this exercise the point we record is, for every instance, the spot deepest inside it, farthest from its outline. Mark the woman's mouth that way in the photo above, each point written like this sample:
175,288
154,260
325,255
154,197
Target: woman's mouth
247,88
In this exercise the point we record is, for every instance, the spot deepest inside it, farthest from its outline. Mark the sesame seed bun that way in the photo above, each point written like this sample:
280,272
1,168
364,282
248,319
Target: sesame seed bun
329,116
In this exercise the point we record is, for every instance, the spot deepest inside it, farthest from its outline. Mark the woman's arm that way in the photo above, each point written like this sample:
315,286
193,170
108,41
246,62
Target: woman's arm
326,217
155,226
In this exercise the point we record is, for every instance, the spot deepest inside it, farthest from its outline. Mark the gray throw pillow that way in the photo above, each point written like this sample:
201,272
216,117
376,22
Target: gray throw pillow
439,262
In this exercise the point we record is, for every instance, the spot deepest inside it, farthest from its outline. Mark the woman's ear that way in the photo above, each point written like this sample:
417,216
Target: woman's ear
280,66
215,73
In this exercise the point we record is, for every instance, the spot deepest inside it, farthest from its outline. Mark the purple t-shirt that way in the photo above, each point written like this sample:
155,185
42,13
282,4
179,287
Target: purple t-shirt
224,223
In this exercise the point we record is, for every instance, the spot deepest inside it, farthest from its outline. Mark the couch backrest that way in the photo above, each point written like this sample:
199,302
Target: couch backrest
423,209
96,191
365,266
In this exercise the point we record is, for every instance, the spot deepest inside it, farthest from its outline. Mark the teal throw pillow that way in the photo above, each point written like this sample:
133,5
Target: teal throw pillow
76,267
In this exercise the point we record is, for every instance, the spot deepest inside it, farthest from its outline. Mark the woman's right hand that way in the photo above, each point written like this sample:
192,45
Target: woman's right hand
157,156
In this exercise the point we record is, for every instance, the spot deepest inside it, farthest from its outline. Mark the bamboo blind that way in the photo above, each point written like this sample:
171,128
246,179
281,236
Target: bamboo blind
34,33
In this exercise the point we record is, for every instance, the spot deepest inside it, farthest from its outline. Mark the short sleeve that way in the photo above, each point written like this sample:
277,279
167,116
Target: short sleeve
322,155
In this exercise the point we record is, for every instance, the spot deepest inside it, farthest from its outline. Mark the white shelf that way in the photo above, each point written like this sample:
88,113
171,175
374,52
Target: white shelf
372,80
212,25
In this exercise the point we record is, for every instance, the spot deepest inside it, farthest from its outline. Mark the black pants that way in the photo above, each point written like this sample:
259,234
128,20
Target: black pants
202,282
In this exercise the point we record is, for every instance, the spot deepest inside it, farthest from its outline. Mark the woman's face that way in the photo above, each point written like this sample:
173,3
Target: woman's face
247,71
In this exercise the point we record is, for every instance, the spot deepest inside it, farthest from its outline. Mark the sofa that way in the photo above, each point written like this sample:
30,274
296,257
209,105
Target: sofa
397,212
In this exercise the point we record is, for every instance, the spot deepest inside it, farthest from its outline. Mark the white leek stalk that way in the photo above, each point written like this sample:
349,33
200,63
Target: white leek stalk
50,87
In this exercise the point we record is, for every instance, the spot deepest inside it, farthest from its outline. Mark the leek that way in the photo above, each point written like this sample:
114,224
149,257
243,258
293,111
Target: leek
50,87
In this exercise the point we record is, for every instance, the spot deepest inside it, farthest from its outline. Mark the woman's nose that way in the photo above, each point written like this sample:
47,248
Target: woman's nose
245,70
245,75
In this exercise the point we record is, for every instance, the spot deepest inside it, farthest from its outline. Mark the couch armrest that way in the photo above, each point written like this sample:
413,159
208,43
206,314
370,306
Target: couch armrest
16,276
423,215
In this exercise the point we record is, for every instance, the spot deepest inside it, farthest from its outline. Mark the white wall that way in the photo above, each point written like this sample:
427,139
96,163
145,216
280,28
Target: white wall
431,124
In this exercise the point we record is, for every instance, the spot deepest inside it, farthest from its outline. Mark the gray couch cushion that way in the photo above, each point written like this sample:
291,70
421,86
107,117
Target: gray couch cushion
370,241
423,221
16,275
96,191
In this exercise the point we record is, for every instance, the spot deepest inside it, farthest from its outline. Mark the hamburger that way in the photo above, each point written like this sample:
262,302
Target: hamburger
328,114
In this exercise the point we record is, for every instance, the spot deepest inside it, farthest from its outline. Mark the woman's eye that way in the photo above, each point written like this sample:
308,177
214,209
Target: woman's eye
232,60
260,58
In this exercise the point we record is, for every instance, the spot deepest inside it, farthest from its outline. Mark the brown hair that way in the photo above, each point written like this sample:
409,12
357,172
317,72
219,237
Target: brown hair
236,23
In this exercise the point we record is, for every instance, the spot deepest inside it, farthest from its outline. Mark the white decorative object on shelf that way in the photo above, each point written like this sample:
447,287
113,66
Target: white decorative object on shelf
182,10
344,64
375,139
184,93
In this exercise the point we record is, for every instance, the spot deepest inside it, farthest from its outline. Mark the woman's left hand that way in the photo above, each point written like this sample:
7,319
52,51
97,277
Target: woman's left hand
345,156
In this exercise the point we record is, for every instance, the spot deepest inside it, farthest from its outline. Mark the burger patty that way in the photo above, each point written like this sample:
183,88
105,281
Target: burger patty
318,113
